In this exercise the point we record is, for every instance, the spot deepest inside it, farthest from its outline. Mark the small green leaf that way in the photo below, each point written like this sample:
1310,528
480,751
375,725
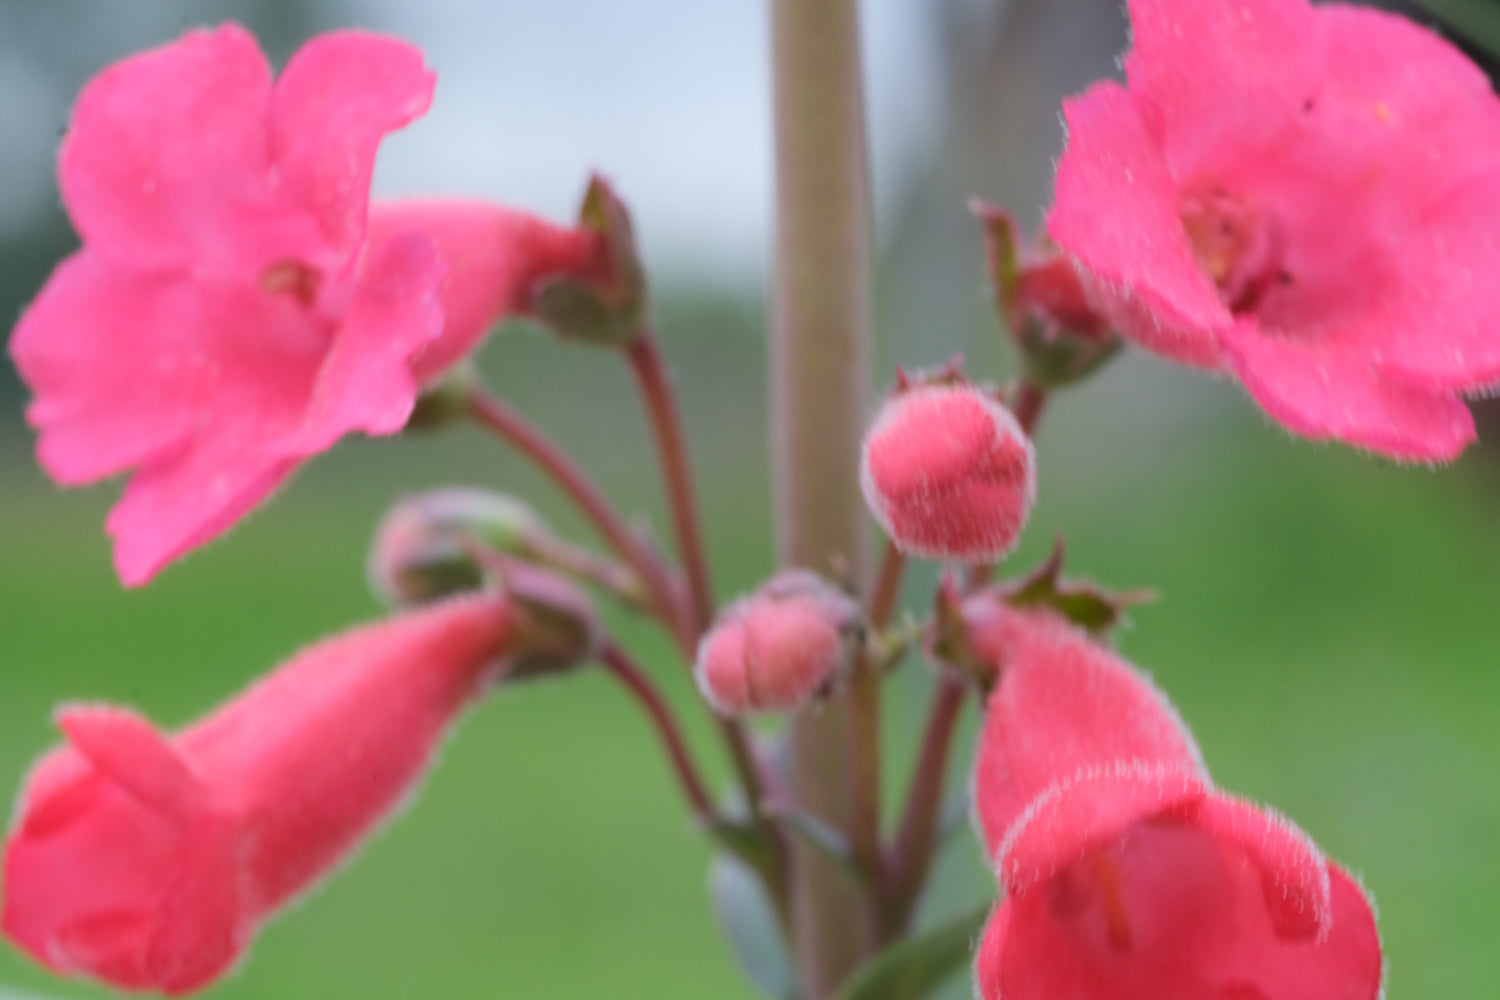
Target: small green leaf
821,836
749,922
913,968
1084,604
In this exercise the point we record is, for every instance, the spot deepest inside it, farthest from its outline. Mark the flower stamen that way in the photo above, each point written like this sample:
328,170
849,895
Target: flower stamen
1116,920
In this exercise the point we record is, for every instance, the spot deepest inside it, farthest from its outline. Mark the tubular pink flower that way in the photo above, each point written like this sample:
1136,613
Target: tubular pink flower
234,310
1303,197
148,860
948,473
1127,875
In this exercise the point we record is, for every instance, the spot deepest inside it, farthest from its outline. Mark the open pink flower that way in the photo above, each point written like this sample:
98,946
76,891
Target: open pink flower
233,309
148,860
1127,875
1304,197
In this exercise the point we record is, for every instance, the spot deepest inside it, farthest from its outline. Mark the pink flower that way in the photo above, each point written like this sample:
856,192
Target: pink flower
148,860
1304,197
233,311
775,649
496,259
1127,875
948,473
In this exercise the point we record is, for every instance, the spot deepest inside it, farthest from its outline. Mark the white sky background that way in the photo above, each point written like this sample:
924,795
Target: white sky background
668,98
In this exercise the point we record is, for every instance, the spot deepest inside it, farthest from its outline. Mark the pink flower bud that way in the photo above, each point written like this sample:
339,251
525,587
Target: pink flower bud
778,647
147,860
948,473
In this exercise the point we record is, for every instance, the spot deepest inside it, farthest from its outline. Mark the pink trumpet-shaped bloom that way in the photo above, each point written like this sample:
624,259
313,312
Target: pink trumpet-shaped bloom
148,860
948,473
234,310
1305,198
1127,875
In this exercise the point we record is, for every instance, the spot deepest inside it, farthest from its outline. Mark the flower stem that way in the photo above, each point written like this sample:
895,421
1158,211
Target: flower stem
618,662
666,426
495,415
911,856
820,345
498,417
864,744
1026,402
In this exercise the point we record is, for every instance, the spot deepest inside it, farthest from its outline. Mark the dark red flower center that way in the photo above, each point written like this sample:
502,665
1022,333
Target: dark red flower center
293,278
1239,247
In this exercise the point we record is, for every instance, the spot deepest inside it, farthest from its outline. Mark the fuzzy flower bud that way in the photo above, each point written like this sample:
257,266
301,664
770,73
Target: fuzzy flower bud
778,647
948,473
424,546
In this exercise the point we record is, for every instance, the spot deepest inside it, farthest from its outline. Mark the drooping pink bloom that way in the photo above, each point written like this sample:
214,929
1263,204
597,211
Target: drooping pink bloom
776,648
948,473
148,860
1127,875
1305,198
233,311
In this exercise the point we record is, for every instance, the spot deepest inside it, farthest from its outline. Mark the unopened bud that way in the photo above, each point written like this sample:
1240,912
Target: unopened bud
424,547
948,473
604,308
559,628
1061,336
779,647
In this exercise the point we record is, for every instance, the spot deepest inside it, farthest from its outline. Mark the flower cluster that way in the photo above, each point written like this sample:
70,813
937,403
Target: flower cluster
1300,197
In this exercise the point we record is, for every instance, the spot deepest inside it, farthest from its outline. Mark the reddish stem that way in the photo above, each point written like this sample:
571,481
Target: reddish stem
1026,403
864,741
551,459
666,426
912,853
635,680
510,425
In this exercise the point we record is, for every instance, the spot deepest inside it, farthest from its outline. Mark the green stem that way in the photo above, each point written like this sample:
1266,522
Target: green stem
820,347
620,665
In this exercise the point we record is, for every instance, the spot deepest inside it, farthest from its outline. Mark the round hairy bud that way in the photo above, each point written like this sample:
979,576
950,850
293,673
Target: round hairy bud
777,648
425,547
948,473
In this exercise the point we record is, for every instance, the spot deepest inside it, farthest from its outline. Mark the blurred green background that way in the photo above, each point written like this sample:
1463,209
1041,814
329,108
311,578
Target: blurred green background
1328,623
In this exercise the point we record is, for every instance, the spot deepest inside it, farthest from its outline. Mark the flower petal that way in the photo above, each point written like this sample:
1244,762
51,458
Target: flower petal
172,507
336,99
1116,214
365,382
1295,872
1190,923
1065,708
165,164
1087,812
110,358
494,256
128,750
1215,110
1320,390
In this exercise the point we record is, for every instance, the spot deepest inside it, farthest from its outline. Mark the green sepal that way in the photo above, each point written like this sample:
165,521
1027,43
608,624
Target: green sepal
748,920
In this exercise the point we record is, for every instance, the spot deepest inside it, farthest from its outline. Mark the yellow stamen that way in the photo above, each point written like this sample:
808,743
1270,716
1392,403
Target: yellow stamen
1116,920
